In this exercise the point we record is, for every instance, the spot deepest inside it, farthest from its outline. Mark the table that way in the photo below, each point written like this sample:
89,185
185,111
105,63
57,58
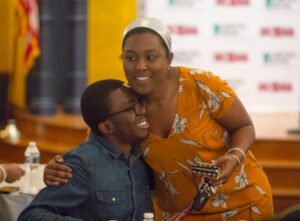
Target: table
11,205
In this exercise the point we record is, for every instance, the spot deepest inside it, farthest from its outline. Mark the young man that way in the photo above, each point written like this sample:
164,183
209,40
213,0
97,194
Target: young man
110,181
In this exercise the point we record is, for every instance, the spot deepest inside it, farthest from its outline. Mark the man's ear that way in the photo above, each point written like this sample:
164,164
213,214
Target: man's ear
106,127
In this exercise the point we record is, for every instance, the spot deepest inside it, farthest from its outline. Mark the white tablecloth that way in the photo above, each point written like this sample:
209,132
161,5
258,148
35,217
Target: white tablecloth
11,205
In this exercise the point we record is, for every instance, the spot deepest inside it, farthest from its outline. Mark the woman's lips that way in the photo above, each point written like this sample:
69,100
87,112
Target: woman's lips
142,78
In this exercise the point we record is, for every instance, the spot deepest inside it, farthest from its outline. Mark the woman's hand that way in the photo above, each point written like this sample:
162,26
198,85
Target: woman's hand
56,172
13,171
227,163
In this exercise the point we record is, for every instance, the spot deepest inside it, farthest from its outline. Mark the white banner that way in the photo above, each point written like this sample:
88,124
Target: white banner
254,45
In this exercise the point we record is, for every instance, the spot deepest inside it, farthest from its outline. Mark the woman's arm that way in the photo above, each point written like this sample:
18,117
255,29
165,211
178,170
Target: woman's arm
239,124
56,172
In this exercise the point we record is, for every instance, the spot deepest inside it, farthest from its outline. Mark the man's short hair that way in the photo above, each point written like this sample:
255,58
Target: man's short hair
95,102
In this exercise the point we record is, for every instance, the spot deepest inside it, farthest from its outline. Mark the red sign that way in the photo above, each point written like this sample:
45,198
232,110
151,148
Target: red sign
275,87
233,2
183,30
231,57
277,31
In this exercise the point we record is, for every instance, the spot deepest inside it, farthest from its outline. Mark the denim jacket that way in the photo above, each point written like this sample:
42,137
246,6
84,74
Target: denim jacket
104,186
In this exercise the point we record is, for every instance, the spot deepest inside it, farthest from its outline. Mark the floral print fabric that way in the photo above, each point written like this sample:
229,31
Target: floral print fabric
196,135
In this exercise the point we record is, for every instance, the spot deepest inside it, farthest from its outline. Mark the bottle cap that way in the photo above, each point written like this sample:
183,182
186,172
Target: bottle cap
32,143
148,215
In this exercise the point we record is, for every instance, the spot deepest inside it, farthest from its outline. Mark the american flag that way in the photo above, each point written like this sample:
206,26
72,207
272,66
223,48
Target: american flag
28,20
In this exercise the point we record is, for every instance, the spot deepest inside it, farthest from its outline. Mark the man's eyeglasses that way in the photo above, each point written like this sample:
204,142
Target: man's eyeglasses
138,109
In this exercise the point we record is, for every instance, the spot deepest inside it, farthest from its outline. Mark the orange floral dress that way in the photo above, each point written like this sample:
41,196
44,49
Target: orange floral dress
196,135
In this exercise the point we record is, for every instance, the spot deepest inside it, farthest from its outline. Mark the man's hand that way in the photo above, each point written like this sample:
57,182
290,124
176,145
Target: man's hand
56,172
13,171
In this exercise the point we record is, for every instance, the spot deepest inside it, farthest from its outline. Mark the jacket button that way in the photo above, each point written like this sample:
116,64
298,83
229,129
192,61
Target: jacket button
113,199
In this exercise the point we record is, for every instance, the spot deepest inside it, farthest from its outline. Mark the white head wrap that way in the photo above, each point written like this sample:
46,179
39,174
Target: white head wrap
155,25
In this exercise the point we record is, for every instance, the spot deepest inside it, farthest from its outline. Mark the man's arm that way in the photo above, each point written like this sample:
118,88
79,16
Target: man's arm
56,202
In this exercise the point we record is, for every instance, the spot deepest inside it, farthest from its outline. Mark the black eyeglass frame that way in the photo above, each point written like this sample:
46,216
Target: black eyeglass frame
137,108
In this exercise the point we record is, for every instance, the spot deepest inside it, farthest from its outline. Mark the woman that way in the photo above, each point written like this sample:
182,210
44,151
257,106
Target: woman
10,172
193,116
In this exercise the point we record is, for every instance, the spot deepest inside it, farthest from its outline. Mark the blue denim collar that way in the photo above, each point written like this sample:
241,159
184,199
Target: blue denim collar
111,149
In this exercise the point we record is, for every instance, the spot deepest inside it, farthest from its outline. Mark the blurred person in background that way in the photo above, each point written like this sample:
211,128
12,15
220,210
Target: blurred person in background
10,172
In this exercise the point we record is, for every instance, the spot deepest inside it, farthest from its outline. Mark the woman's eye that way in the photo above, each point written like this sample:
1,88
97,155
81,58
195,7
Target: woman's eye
131,58
151,58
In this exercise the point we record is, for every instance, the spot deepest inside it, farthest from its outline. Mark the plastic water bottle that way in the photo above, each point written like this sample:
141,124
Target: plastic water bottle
31,165
148,217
